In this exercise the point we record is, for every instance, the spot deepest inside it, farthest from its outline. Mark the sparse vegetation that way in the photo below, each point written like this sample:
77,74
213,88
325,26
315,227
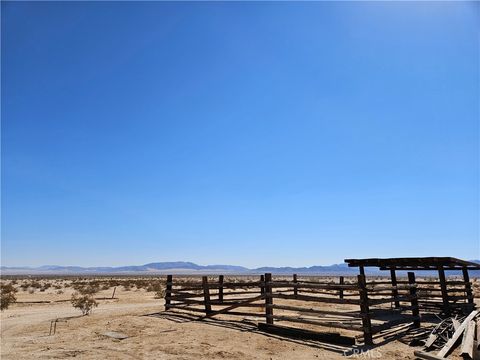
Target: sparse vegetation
84,302
83,299
7,296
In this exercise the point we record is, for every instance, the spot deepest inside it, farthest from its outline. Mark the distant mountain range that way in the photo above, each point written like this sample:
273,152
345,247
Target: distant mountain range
176,267
182,267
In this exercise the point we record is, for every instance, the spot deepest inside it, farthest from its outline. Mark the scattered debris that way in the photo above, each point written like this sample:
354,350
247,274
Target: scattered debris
115,335
53,323
446,336
442,333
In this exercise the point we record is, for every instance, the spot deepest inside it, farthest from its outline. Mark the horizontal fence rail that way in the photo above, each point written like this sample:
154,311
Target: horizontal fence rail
349,305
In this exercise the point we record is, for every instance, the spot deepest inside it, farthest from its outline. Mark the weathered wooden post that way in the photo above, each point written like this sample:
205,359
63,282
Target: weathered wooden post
341,281
468,286
393,278
414,299
168,292
362,270
220,288
268,299
262,284
364,309
206,295
295,289
443,287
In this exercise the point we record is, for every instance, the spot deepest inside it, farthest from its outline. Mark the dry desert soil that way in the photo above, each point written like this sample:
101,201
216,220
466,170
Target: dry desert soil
152,333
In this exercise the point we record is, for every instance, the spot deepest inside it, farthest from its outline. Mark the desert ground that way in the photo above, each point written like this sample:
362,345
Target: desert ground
137,310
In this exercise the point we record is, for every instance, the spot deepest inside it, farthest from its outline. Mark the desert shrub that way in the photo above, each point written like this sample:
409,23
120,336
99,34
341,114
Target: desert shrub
59,291
86,288
7,296
84,302
46,286
31,290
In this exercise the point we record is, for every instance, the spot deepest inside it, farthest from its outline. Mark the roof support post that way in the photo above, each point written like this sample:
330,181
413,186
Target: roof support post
393,277
443,287
362,270
468,285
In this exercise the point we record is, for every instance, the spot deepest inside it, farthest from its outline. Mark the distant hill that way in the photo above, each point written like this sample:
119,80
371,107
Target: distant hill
182,267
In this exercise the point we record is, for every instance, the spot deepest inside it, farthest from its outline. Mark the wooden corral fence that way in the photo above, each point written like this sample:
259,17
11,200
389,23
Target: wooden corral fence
362,308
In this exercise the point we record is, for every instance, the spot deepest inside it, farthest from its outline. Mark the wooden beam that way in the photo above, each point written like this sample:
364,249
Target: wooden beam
443,286
469,339
362,270
393,277
168,291
234,306
366,321
427,356
268,299
295,289
414,301
220,288
341,282
468,285
206,295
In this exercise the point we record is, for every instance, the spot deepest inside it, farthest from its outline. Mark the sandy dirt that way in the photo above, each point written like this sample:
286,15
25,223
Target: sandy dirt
153,333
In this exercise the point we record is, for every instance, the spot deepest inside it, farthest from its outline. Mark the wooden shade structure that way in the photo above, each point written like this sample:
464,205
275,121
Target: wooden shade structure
414,263
439,264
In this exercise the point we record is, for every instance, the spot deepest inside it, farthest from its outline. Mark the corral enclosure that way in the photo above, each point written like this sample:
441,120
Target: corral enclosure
154,333
361,307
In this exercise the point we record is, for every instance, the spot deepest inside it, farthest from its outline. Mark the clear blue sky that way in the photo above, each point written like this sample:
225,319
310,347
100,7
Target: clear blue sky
243,133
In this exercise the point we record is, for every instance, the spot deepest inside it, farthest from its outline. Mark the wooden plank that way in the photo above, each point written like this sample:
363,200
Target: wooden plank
361,270
243,292
389,300
431,339
456,335
331,338
295,288
206,295
316,311
392,323
468,285
427,356
268,299
231,307
414,301
334,324
468,339
168,291
317,299
443,285
220,288
364,309
341,282
300,285
393,278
